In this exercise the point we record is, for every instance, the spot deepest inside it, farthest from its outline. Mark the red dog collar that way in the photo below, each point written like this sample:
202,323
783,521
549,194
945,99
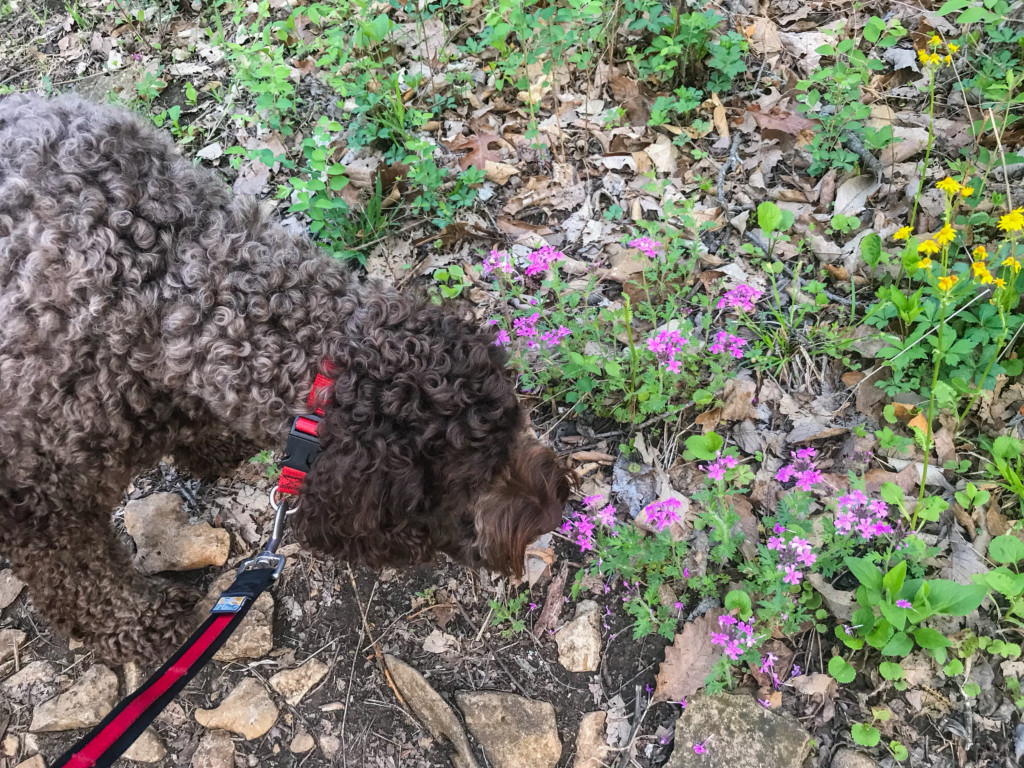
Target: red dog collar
303,442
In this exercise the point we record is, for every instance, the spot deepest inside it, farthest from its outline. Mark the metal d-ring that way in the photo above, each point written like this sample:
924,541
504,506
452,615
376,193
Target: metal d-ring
282,510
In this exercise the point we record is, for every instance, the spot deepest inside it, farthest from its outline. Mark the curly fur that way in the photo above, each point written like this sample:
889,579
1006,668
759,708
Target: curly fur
147,311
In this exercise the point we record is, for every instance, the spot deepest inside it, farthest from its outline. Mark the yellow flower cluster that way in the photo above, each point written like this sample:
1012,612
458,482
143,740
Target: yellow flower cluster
952,187
1012,222
947,282
931,55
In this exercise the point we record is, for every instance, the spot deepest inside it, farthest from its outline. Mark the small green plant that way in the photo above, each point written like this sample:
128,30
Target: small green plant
451,281
266,460
509,612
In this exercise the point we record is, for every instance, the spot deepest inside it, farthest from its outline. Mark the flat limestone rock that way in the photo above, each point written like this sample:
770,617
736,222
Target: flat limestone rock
579,641
166,540
514,731
248,711
35,682
254,637
294,684
10,641
215,750
737,731
10,588
591,746
83,705
147,748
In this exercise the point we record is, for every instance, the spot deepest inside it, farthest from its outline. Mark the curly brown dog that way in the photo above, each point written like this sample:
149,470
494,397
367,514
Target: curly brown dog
146,311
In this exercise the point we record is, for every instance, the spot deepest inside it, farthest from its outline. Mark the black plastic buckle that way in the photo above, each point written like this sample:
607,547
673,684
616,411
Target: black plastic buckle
301,448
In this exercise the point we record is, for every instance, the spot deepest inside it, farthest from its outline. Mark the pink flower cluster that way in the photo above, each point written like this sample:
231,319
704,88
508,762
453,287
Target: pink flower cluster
855,512
666,345
741,297
554,337
498,261
526,327
793,554
727,342
716,470
541,260
661,514
803,469
736,636
581,527
647,246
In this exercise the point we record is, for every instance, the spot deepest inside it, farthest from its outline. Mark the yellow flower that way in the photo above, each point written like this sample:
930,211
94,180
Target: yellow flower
953,48
922,56
945,236
981,272
924,263
949,186
947,282
1013,221
935,41
947,60
1009,261
902,233
966,191
928,247
1000,283
934,58
980,252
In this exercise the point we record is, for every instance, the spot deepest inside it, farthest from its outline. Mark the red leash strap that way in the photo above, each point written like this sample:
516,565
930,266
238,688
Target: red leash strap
108,740
303,443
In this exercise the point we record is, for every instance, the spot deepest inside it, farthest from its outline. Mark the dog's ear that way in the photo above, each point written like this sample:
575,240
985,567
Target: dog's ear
525,502
363,497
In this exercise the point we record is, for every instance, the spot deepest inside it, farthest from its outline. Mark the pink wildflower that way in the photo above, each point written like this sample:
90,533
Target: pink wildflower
646,246
856,513
661,514
741,297
793,554
592,501
606,516
726,342
803,469
502,339
666,345
903,604
541,260
554,338
498,261
716,470
526,326
736,637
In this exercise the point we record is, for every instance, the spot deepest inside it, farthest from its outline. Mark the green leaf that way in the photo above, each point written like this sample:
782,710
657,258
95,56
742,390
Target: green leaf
891,494
867,573
899,752
972,689
841,670
703,446
871,245
879,636
930,639
890,670
955,599
865,735
899,644
955,667
1006,549
893,580
769,217
737,598
894,615
952,6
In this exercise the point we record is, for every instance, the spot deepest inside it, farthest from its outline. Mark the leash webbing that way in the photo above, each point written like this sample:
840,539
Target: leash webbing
119,729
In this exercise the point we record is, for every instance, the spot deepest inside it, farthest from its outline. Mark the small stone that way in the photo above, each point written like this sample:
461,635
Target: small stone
302,743
738,731
254,637
36,761
10,588
847,758
591,747
83,705
10,641
34,682
215,750
166,540
579,641
514,731
147,748
248,711
294,684
10,745
132,677
330,745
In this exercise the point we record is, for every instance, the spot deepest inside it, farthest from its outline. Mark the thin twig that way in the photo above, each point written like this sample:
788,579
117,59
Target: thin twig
363,632
730,163
493,653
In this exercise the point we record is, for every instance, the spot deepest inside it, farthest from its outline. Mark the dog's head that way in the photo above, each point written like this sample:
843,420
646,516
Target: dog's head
425,448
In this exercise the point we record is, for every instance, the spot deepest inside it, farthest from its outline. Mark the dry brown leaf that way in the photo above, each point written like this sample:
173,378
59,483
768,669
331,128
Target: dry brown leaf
707,420
688,661
781,121
739,400
480,152
815,685
852,195
764,36
635,98
499,173
553,603
839,601
598,456
718,116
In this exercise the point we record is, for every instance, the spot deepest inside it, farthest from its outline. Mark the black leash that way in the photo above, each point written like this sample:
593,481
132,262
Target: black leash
108,740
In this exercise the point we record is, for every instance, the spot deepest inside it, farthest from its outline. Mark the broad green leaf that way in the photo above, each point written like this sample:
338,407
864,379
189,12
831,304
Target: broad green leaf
769,217
867,573
899,644
955,599
893,580
865,735
890,670
841,670
1006,549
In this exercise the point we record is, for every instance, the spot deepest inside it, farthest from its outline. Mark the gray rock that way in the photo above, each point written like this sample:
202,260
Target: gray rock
215,750
635,484
35,682
431,709
254,637
10,588
302,743
591,745
83,705
166,540
147,748
579,641
294,684
248,711
847,758
10,641
36,761
737,731
514,731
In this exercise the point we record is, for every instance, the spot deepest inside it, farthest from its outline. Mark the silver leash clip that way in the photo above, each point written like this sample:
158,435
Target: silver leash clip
269,558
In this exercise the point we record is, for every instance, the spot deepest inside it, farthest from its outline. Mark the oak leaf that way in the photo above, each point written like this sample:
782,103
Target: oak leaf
688,661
